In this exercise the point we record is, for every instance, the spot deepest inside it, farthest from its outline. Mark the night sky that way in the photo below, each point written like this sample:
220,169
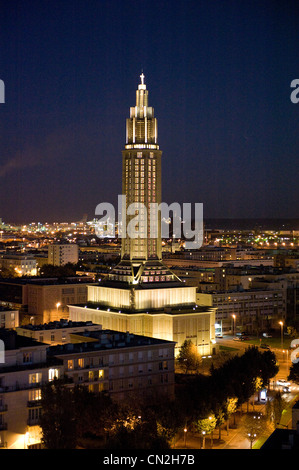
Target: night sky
218,75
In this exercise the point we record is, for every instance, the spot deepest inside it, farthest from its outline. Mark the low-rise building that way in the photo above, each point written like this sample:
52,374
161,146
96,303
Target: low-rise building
41,300
125,366
25,370
60,254
253,309
9,318
56,332
19,264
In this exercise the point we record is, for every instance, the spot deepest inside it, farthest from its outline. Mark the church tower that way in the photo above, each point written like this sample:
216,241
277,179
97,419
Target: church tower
141,255
142,178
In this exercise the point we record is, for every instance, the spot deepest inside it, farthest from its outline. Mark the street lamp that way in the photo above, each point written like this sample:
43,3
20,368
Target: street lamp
281,332
234,329
57,306
251,437
185,434
203,439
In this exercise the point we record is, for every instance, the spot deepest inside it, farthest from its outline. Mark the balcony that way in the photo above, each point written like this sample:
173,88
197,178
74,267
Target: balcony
33,403
33,421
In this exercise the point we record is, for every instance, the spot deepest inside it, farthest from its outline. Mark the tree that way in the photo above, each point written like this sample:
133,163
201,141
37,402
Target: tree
230,408
136,432
294,372
188,358
57,419
275,408
71,414
292,332
255,425
206,425
220,418
170,419
7,272
268,366
50,270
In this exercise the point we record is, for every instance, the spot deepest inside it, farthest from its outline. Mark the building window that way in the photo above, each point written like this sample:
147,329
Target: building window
70,364
81,362
27,357
34,414
35,395
53,374
35,378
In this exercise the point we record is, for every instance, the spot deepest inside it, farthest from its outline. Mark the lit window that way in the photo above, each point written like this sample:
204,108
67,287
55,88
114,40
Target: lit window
35,394
53,374
35,378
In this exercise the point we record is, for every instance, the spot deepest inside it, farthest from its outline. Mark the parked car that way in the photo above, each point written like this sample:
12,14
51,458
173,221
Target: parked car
283,383
264,346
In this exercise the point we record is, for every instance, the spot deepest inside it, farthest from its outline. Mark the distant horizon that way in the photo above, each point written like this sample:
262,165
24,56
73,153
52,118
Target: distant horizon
292,223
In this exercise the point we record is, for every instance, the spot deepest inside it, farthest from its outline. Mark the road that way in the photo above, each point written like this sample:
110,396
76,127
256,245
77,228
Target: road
236,437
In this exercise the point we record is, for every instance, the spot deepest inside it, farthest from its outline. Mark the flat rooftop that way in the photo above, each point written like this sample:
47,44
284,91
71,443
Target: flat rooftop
49,281
14,341
168,310
105,340
59,324
7,309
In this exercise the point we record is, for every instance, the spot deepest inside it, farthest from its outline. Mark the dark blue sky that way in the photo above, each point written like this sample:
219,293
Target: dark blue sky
218,74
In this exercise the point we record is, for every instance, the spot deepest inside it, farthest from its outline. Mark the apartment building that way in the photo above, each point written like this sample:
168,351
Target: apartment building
41,300
121,364
229,277
25,370
253,309
61,254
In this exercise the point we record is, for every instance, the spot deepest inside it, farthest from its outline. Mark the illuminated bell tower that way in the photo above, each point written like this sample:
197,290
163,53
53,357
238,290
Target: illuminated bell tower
142,179
141,185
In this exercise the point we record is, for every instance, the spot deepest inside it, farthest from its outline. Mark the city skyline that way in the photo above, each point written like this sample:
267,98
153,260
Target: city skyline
219,74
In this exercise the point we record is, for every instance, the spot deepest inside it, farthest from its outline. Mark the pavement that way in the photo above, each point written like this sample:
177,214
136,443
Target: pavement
235,437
